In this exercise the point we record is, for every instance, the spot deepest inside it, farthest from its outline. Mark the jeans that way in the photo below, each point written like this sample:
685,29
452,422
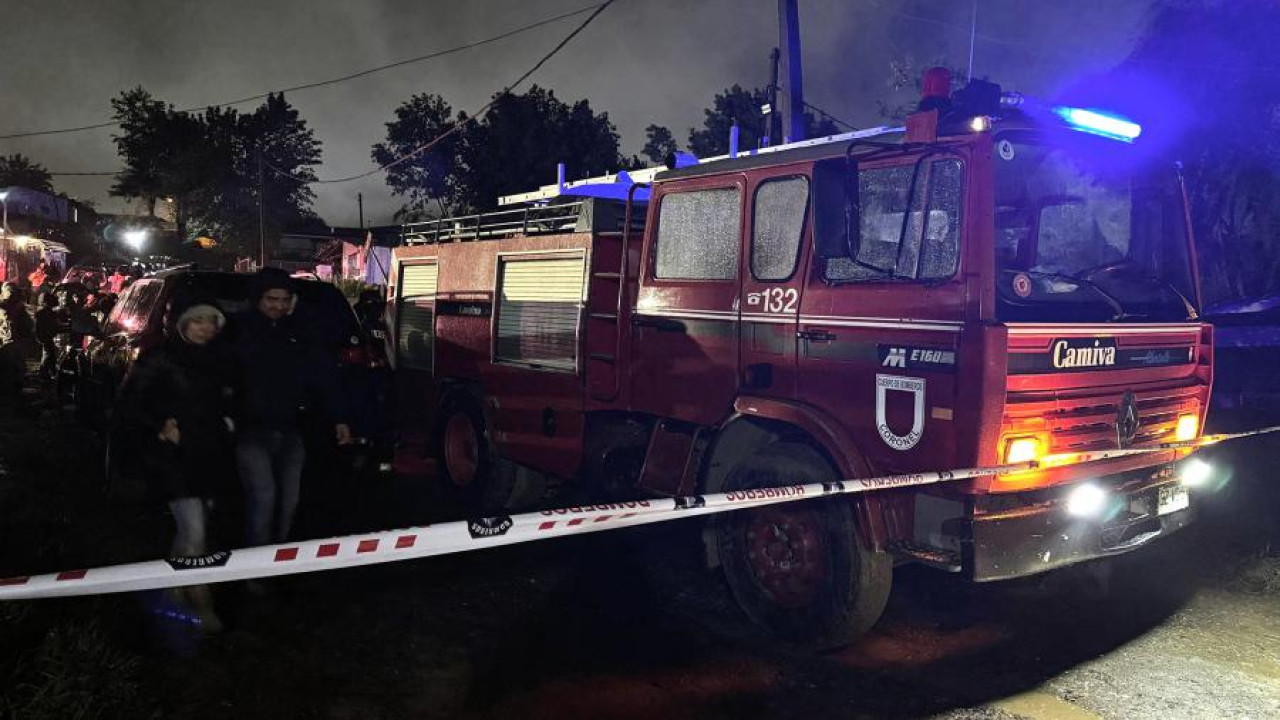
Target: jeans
48,359
189,516
270,463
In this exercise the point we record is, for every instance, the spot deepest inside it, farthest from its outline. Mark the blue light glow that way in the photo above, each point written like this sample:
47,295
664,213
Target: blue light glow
1091,121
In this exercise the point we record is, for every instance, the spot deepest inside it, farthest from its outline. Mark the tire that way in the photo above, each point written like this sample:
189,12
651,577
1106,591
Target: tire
467,461
800,570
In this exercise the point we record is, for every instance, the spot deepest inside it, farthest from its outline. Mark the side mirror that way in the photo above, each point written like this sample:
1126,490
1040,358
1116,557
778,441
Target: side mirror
837,220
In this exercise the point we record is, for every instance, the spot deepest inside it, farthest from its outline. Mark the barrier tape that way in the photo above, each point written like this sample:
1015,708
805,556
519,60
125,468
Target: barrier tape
464,535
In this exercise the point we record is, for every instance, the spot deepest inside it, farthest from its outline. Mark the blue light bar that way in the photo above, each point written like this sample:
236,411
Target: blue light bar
1092,121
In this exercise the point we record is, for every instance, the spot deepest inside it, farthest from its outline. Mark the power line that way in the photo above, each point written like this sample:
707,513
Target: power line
321,83
460,123
829,116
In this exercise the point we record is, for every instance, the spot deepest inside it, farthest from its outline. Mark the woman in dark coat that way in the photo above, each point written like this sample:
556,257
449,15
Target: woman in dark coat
175,402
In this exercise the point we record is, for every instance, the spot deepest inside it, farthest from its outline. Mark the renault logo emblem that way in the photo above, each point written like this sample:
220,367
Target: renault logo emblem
1126,420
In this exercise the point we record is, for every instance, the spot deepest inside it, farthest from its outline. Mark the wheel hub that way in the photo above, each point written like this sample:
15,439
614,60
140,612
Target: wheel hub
786,551
461,450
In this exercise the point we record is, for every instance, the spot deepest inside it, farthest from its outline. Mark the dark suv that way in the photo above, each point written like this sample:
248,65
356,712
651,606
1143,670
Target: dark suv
137,323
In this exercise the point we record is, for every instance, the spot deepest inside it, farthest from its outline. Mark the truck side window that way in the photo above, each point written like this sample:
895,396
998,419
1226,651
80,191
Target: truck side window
698,235
930,245
776,228
940,251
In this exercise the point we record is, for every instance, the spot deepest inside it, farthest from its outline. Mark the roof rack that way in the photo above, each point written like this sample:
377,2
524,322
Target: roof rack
586,215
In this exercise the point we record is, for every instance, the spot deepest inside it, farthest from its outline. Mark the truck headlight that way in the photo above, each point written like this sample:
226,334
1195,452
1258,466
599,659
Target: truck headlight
1195,472
1188,428
1022,449
1087,501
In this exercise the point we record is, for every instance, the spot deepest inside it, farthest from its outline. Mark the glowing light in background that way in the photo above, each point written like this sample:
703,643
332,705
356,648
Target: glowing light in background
135,238
1098,123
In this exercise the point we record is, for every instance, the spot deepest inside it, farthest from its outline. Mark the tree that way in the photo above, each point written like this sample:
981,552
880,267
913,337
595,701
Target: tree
659,145
427,177
742,107
208,166
733,106
276,135
140,144
515,147
1195,80
520,141
20,170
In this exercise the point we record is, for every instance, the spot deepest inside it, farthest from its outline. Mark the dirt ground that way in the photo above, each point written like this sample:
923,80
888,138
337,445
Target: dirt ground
618,625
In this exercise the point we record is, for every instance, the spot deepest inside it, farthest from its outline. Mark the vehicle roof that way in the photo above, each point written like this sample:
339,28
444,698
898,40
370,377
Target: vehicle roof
321,303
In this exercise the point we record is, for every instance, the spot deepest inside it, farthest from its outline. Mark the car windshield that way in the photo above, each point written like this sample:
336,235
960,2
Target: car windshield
1080,239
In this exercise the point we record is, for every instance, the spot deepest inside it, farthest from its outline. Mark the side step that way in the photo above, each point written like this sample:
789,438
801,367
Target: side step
940,558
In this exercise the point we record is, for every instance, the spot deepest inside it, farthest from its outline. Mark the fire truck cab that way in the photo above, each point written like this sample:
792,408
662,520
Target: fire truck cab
995,282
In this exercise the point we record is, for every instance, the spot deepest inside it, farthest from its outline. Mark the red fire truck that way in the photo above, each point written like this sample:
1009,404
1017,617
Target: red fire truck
997,281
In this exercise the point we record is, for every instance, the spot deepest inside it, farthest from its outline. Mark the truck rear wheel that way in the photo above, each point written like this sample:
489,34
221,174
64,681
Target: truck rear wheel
800,569
466,458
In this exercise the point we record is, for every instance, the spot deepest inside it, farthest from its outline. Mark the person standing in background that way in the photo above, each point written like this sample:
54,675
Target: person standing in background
175,399
279,375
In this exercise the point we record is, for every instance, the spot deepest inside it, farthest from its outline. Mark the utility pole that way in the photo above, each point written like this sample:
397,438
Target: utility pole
793,99
360,202
771,122
262,226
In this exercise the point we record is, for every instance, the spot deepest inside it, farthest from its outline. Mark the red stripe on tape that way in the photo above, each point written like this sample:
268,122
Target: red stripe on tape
602,518
72,575
328,550
624,517
14,581
547,525
367,546
406,541
284,554
575,521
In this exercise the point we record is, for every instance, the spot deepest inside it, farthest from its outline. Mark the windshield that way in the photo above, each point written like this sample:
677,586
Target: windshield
1079,239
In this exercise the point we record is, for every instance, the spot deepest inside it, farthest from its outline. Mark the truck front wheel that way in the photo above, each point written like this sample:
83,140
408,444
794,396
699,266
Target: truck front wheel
800,569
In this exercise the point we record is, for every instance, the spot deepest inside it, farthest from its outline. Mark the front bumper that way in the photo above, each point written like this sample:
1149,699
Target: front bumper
1020,534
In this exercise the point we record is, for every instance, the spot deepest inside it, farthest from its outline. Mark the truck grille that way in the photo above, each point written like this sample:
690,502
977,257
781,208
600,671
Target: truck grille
1088,423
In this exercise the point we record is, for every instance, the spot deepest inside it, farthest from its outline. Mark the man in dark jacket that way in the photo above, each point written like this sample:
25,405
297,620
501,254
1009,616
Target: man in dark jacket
279,374
48,325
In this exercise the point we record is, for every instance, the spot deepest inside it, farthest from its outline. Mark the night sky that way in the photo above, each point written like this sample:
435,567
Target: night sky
642,61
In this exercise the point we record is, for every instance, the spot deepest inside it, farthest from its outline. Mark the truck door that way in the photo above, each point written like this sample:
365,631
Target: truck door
685,326
772,283
879,333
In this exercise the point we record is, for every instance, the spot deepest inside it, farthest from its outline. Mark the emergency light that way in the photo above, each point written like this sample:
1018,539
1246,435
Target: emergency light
1098,123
